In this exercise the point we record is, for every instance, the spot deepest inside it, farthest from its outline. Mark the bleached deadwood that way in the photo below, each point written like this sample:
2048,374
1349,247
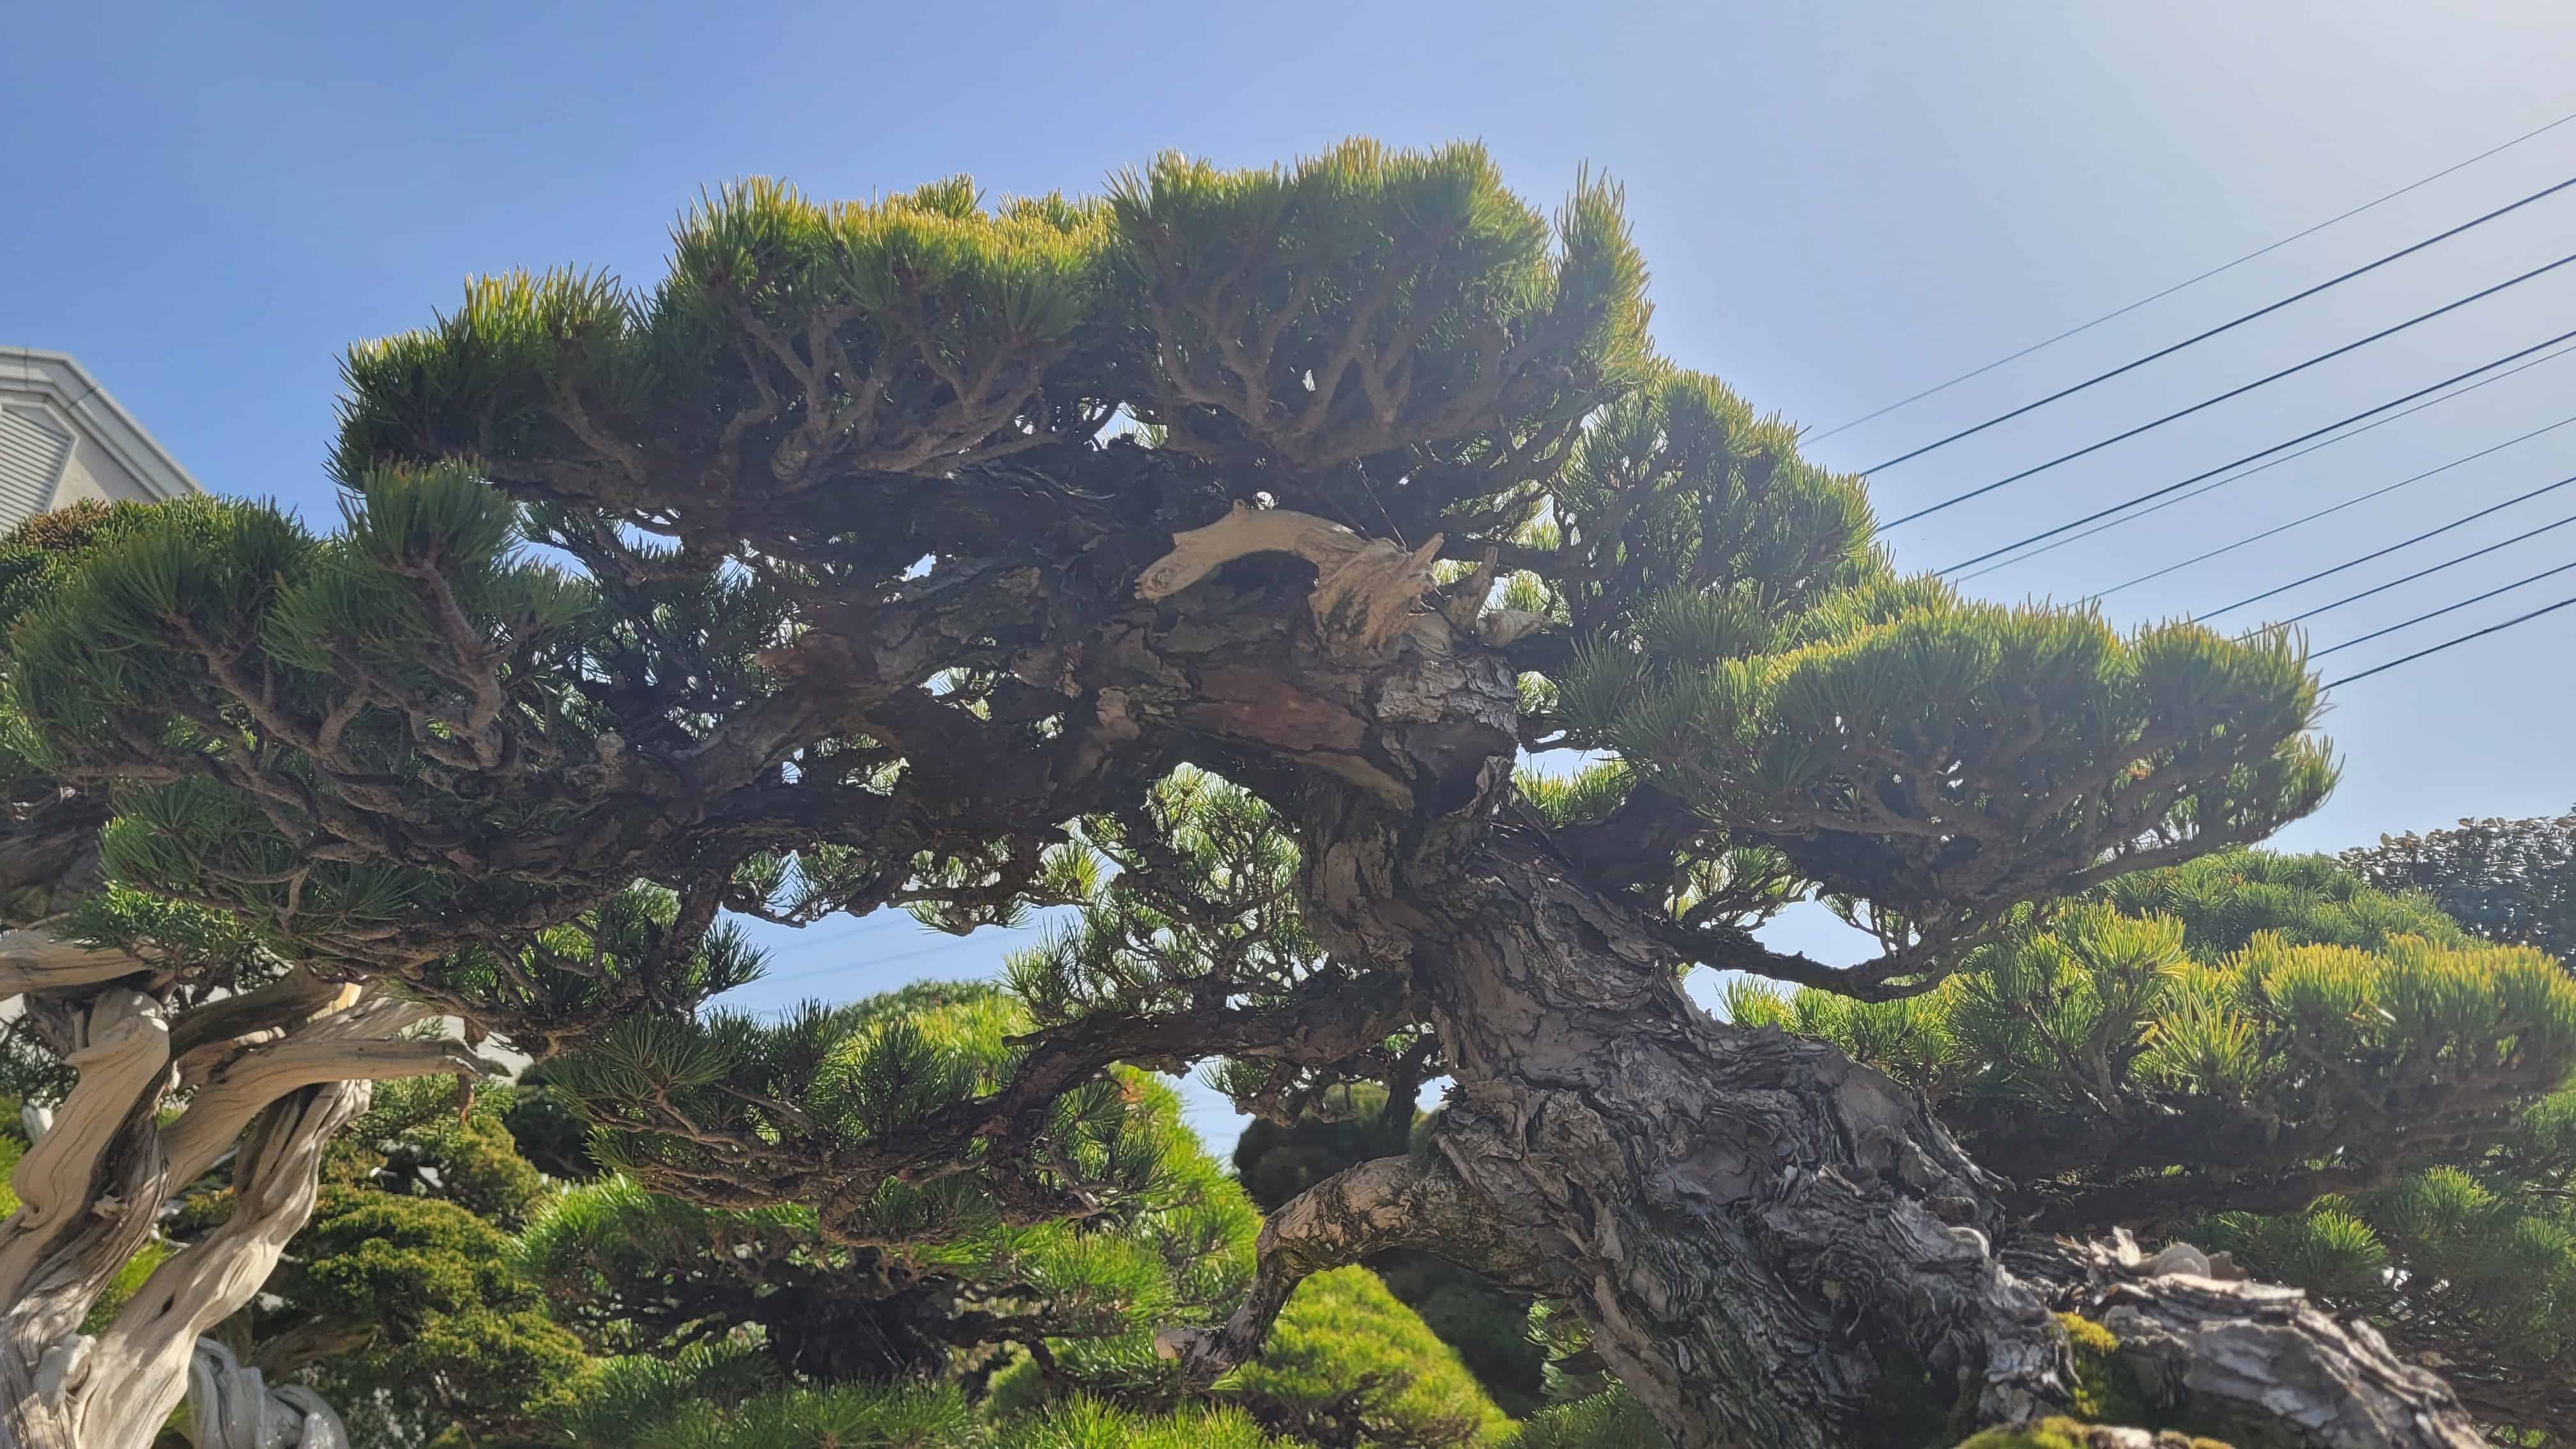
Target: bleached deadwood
361,1043
38,960
231,1406
1366,591
125,1054
92,1184
139,1368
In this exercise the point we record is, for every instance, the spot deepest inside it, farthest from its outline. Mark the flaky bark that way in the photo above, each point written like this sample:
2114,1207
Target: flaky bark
1754,1227
2199,1339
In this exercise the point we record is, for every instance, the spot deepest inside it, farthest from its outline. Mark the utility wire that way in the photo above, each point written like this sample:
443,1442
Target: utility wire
2233,392
2447,643
2335,508
2155,493
916,953
2185,282
2217,484
2445,609
2228,326
2475,553
2394,547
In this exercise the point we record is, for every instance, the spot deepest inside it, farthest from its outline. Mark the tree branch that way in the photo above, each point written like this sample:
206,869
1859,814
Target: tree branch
1391,1202
140,1367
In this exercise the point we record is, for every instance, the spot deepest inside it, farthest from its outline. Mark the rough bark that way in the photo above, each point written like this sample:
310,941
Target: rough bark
1753,1227
2202,1341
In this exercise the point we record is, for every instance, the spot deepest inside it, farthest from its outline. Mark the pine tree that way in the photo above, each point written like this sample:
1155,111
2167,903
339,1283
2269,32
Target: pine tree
2263,1056
874,597
158,1047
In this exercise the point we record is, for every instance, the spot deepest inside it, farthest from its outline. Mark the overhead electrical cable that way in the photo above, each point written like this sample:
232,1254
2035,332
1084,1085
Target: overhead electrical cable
2382,490
2218,483
2445,609
2448,643
2190,281
2234,392
863,963
2155,493
2380,553
2228,326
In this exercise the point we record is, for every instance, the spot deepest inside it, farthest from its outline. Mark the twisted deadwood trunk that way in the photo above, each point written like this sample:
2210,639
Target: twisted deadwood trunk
232,1407
1752,1225
92,1186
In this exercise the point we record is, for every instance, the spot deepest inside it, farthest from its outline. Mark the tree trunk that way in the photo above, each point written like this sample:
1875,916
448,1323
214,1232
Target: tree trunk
1757,1230
91,1188
1753,1226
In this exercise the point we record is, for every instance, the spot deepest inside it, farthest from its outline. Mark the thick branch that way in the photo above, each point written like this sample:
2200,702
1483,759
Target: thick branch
362,1043
1392,1202
39,960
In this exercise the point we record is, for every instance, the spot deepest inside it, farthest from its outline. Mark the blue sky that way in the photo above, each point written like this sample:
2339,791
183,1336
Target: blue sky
1841,204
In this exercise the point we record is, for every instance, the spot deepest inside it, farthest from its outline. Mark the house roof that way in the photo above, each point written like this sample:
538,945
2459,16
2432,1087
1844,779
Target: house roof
66,388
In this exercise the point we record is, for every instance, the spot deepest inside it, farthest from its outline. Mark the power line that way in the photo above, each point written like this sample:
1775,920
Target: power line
2394,547
2214,486
2335,508
2154,493
2410,578
2228,326
2447,643
2445,609
2185,282
2233,392
934,949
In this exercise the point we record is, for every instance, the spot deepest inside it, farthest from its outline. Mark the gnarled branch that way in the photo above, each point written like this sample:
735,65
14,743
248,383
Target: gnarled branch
1391,1202
1367,590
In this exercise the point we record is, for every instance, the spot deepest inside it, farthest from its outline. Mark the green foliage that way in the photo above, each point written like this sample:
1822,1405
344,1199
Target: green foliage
1827,737
878,1289
422,1138
1408,277
1485,1325
2274,1015
1346,1354
845,1416
1088,1424
623,1398
1606,1420
673,1100
441,1324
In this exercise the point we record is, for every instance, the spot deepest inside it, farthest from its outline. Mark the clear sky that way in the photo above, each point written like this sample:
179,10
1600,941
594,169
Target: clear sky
1841,203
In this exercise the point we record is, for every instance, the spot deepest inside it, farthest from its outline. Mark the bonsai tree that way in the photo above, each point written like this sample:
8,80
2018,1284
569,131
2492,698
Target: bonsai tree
2263,1056
906,537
